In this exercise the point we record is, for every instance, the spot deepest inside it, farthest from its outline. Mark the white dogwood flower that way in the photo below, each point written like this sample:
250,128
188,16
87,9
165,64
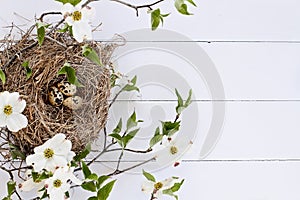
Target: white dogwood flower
157,188
30,184
79,18
59,183
55,152
11,107
173,151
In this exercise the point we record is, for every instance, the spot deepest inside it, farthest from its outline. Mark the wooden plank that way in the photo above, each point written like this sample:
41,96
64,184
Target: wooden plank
212,20
247,71
213,180
251,130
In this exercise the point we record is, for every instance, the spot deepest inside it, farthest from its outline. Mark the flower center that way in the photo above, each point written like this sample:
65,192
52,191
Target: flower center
8,110
158,185
173,150
76,15
57,183
48,153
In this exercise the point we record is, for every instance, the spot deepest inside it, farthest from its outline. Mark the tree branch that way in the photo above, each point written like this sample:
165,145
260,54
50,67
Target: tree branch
136,8
132,167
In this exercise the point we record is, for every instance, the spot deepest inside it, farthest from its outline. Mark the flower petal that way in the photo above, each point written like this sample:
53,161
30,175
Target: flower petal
12,98
88,13
16,122
67,9
148,187
69,21
19,106
63,148
56,140
27,185
5,97
2,119
59,161
82,31
56,194
37,160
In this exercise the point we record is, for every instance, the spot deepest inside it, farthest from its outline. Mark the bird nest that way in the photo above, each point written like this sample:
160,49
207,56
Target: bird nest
82,125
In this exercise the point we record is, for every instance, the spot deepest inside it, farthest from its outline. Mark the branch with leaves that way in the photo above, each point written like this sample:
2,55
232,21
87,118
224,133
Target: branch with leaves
53,168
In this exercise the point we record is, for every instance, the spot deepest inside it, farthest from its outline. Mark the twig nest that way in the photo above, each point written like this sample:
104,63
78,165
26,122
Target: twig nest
56,98
67,88
88,110
73,103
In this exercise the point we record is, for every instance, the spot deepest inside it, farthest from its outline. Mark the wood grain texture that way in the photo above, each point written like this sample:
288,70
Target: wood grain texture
255,47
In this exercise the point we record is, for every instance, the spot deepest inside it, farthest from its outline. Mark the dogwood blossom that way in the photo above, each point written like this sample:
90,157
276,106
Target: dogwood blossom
79,18
173,151
157,188
59,183
11,107
55,152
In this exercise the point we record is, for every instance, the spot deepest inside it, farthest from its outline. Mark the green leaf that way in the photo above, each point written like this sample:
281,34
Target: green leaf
34,175
179,98
28,69
101,180
41,29
131,122
91,54
180,104
11,186
191,2
73,2
182,7
89,186
118,138
92,198
70,73
6,198
127,138
177,186
86,171
155,139
83,153
118,128
93,177
16,153
64,29
149,176
174,188
2,76
188,101
104,192
156,18
129,88
169,128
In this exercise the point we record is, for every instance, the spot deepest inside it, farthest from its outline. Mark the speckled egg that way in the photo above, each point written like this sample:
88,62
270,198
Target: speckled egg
67,88
73,103
56,98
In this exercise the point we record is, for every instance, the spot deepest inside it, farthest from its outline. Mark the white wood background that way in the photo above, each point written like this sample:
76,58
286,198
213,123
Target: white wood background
254,45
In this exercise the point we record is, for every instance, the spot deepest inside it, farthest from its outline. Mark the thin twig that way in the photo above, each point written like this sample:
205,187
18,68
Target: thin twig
136,8
9,172
48,13
130,150
115,98
132,167
119,160
61,44
100,154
